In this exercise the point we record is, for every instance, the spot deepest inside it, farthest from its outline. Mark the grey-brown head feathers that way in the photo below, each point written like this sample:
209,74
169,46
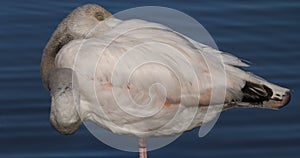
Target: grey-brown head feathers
76,25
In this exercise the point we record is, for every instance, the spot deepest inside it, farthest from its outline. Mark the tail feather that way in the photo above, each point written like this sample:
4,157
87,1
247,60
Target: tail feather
264,94
248,90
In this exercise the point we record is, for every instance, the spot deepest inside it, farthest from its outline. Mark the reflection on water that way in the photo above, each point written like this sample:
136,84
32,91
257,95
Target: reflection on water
267,34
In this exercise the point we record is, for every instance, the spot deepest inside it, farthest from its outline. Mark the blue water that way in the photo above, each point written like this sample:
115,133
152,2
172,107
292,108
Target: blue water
265,33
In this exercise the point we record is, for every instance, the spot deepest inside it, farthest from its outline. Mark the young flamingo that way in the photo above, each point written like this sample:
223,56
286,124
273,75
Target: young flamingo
88,67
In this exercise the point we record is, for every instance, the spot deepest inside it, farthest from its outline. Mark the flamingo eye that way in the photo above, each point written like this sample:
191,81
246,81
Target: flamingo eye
99,16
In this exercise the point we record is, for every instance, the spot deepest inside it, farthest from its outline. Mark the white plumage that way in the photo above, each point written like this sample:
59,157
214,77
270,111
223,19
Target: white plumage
141,78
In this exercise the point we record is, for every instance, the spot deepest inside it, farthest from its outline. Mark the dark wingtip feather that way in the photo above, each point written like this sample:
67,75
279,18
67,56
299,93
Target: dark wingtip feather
256,93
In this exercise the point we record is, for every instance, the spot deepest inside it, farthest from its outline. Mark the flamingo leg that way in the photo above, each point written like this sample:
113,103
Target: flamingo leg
142,148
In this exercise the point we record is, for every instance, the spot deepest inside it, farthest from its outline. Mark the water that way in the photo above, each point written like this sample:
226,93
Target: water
265,33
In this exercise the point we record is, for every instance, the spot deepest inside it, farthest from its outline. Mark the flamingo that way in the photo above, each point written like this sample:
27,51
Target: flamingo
102,69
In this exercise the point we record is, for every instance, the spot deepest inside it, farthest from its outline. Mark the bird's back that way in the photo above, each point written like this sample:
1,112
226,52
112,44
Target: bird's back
141,77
